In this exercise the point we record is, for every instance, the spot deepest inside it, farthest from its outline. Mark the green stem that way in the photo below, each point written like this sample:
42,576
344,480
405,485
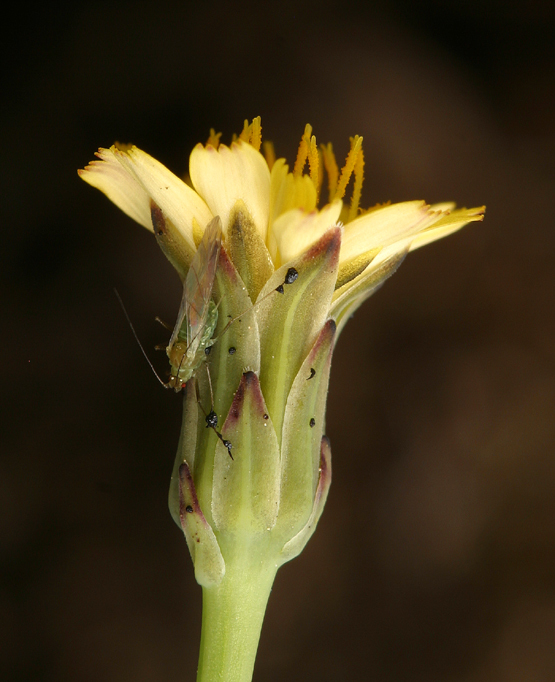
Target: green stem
232,615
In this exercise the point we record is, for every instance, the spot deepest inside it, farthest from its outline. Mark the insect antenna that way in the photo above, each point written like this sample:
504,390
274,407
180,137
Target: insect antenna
137,338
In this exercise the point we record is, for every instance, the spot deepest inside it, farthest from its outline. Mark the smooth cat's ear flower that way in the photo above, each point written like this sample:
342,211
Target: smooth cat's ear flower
271,219
271,273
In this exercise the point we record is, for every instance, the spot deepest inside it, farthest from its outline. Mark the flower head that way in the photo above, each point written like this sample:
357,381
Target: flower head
270,342
276,210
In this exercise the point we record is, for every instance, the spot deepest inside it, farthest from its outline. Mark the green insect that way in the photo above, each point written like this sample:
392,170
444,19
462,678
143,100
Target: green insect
193,334
198,314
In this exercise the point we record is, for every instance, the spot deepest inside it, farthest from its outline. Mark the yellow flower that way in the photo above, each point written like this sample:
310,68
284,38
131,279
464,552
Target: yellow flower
270,274
262,220
281,206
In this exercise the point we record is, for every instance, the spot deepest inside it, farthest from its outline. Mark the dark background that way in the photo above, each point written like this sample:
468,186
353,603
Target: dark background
435,557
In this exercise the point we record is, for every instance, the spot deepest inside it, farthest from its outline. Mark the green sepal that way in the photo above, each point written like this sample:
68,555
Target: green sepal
296,545
289,322
303,428
235,348
349,297
246,490
248,250
186,447
173,244
354,267
205,552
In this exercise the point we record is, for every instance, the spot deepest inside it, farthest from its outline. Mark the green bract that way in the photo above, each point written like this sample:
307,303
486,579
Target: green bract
270,395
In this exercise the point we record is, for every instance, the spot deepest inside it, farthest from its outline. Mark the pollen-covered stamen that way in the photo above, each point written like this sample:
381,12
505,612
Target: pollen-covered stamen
349,168
302,152
213,139
357,187
252,133
332,169
308,151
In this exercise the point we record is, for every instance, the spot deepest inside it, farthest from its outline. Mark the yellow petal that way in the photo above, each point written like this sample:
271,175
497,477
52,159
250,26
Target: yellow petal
385,226
181,204
290,191
296,230
448,224
349,297
121,187
224,175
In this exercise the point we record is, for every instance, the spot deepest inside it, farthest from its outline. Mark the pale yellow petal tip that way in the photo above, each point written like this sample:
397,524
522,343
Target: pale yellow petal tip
105,158
107,174
451,221
95,164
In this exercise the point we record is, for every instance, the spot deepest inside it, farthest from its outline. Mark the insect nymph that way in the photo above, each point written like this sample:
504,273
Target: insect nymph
198,314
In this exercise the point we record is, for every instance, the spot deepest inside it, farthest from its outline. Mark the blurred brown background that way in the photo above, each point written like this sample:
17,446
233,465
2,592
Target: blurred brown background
435,557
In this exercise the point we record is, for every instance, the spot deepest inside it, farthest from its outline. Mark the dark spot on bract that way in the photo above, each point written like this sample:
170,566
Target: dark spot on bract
280,289
189,509
211,420
208,350
312,422
312,373
291,276
265,416
227,444
231,350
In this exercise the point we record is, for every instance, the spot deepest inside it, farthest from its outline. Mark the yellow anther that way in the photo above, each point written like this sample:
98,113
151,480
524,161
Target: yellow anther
357,187
330,164
308,150
320,174
302,154
314,163
349,167
213,139
269,153
244,135
252,133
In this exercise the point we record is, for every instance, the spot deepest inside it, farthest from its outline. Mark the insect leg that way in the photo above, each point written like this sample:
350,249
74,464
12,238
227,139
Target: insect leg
212,418
164,324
